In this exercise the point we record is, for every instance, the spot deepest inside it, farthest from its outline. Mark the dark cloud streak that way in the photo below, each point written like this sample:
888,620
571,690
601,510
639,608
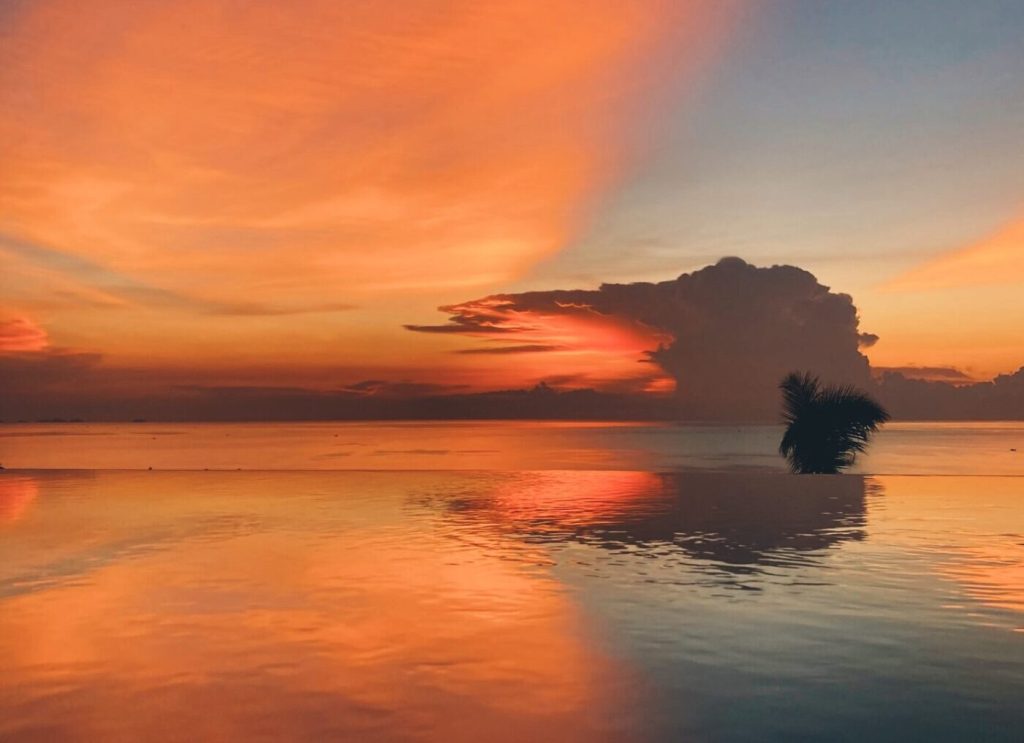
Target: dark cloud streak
502,350
926,373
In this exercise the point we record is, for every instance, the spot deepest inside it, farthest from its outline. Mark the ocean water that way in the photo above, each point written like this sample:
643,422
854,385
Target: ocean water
507,582
983,448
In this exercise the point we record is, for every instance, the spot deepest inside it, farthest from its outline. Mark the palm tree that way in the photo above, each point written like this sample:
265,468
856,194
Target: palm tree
826,426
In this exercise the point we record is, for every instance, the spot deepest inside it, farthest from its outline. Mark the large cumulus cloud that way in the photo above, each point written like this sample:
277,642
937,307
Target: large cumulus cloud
730,331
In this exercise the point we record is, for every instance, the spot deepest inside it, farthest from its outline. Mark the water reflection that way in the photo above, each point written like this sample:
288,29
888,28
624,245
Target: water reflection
283,607
16,495
980,522
991,574
564,605
987,448
740,521
770,607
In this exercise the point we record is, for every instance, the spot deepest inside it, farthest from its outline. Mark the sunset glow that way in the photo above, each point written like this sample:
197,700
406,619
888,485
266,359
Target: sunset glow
16,496
291,177
511,370
213,195
997,259
69,627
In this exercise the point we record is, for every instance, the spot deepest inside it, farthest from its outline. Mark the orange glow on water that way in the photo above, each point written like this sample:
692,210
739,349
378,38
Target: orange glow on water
481,605
303,620
992,576
987,567
16,496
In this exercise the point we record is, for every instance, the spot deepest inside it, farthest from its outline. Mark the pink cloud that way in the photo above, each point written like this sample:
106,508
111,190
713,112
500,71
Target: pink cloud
22,334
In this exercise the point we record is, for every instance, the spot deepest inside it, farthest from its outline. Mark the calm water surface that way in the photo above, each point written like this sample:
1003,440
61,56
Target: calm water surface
713,600
984,448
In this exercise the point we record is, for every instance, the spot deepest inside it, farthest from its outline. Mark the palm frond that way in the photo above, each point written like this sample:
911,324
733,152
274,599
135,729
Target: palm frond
826,426
798,393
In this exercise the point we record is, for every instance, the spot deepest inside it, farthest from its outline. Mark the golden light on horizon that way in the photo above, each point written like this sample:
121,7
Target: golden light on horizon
958,309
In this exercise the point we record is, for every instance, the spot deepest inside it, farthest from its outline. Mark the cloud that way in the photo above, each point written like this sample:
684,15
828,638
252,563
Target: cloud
23,371
39,383
389,452
726,333
19,333
927,399
926,373
560,339
61,384
84,282
255,309
501,350
405,388
486,316
996,259
217,150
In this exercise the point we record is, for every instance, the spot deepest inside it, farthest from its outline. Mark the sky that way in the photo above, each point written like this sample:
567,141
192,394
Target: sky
229,194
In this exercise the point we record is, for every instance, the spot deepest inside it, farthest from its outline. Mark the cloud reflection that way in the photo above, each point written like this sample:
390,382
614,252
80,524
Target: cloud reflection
742,523
305,617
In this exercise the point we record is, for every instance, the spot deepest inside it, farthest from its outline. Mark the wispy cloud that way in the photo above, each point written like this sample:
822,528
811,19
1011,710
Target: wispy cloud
315,149
501,350
995,259
927,373
87,282
405,388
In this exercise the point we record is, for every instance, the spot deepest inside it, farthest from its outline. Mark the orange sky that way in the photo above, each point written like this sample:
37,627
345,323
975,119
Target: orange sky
960,308
263,193
214,185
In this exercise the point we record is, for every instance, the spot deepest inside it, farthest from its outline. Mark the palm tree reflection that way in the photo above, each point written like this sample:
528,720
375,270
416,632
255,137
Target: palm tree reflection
741,522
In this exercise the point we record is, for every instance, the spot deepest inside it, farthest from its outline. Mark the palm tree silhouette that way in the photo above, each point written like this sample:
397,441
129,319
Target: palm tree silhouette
826,426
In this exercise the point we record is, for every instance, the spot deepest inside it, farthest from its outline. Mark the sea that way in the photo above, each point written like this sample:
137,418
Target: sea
507,581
